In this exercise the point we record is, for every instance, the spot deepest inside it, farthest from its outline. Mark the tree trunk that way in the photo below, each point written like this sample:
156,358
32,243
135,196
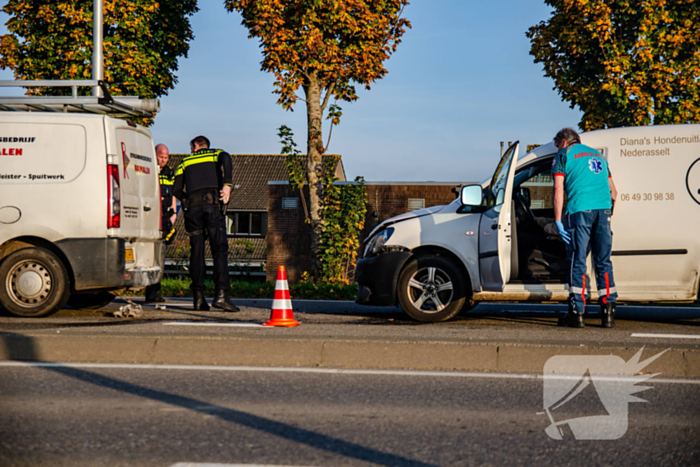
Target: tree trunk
314,145
659,107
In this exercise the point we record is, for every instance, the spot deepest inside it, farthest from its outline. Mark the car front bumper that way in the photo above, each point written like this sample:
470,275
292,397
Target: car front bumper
378,277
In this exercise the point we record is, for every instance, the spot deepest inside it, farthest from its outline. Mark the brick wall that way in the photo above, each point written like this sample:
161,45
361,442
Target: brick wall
289,237
385,201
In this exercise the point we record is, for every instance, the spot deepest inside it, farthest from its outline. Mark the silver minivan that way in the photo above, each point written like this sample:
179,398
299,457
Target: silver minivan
496,242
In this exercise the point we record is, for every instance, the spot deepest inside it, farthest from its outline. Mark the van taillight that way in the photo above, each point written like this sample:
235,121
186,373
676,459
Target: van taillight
113,197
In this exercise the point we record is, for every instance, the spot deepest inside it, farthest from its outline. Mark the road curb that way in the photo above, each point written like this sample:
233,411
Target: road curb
326,353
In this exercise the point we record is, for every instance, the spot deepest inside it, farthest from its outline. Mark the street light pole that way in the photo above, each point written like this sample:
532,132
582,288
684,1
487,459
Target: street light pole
98,68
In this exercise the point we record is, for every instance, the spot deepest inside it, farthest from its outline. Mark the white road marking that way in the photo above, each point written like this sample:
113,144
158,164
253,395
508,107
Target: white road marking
194,464
211,323
335,371
668,336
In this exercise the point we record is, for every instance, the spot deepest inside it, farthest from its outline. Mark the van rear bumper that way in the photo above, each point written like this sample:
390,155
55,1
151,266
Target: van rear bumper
100,263
378,277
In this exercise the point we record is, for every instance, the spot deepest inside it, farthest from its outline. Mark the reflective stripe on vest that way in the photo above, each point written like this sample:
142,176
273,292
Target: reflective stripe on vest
197,158
165,180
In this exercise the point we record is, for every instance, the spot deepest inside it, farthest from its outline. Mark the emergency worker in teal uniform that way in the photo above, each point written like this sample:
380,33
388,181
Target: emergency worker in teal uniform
582,172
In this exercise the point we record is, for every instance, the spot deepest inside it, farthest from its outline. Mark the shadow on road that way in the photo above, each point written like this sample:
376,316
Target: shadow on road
21,348
519,319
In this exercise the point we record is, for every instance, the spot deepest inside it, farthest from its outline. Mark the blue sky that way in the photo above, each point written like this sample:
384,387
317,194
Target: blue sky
461,81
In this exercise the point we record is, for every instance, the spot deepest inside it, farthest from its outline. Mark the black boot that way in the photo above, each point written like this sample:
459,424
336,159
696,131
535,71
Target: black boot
154,299
572,319
153,294
200,303
607,314
223,303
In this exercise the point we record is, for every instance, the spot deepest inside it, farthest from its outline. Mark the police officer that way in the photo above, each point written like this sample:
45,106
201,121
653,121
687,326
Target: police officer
203,184
169,209
582,172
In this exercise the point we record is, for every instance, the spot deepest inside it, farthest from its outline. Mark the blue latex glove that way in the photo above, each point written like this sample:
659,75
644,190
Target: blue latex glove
562,232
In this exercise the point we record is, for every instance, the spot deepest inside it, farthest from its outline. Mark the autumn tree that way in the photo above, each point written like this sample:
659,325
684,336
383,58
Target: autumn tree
324,47
623,62
143,40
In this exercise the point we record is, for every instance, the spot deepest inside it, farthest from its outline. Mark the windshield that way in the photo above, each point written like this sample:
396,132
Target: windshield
497,188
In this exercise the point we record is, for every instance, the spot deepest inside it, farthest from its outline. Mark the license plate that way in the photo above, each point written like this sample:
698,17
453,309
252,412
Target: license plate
129,255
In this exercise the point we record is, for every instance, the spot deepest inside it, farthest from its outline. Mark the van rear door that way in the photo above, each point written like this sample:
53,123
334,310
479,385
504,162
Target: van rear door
130,148
495,230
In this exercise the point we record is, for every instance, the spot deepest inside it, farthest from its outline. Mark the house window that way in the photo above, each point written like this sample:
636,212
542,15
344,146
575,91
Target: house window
290,203
540,188
246,224
415,204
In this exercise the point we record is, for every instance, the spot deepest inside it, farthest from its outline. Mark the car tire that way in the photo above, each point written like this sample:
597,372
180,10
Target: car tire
431,289
34,283
90,301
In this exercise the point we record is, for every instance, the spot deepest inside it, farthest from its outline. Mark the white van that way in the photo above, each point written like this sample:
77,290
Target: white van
79,210
495,243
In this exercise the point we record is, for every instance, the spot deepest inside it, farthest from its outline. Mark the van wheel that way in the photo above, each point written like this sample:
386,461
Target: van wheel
431,289
90,301
34,283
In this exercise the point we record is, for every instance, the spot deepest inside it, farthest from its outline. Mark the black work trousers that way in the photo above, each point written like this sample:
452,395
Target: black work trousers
152,291
207,220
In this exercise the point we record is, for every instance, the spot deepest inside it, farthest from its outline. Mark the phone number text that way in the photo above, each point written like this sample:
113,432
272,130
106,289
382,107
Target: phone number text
647,197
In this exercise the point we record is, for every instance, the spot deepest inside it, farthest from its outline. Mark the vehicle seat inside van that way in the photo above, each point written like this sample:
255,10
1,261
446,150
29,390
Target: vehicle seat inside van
541,252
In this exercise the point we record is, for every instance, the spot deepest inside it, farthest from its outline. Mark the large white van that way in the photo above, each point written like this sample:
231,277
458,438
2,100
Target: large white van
79,210
495,242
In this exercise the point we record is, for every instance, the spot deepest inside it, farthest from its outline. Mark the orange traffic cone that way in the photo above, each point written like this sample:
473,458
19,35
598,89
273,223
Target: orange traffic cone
282,314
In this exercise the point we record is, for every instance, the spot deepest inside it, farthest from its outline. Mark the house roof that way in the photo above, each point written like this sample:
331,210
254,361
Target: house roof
251,172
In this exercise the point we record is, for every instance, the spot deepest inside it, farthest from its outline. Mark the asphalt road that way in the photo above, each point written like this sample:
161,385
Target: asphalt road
496,337
97,415
312,395
490,320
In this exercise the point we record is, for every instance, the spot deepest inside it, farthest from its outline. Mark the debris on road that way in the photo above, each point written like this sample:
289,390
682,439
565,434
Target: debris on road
132,310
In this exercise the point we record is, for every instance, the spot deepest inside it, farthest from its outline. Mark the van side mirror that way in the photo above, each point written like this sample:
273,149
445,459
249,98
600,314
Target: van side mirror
472,195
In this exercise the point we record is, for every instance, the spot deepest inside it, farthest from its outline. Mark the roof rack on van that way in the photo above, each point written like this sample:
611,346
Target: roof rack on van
118,106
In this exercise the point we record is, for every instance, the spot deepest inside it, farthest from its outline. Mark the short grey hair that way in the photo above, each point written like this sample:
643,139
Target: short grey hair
567,134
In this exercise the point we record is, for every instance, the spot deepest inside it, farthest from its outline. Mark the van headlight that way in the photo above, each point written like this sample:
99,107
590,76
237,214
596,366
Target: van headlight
374,246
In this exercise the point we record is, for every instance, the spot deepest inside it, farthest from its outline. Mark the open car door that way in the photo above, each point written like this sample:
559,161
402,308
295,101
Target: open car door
496,229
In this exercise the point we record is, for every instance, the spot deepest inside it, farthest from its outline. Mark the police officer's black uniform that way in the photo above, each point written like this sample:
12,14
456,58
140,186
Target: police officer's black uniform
167,179
198,180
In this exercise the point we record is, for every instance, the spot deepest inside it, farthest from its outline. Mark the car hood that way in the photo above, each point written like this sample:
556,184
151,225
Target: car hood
406,216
